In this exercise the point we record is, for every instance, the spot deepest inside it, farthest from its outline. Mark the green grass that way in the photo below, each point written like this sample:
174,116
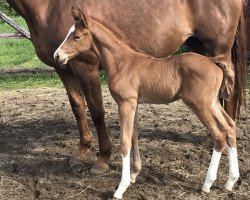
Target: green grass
248,81
12,82
16,82
5,28
17,53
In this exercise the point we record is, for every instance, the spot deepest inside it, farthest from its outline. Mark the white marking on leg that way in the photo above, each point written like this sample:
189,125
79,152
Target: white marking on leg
71,30
212,171
233,168
125,180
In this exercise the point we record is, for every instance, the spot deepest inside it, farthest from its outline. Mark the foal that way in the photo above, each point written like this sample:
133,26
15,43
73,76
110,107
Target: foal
137,78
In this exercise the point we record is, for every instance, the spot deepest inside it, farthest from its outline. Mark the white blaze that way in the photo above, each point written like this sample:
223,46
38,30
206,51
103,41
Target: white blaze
71,30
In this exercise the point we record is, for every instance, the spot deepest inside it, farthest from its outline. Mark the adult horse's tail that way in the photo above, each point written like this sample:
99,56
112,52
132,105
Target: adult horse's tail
239,60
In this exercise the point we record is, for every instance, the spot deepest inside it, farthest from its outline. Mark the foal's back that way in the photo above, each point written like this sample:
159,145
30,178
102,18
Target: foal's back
181,76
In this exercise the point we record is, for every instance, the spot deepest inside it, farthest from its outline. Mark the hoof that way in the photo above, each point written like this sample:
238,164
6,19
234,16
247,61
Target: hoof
205,189
81,153
133,178
229,187
117,197
99,167
114,198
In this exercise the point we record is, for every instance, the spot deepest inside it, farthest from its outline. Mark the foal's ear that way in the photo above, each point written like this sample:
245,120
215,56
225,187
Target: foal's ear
83,18
75,13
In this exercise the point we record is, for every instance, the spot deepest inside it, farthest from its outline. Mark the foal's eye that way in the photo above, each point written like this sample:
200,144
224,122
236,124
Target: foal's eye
77,37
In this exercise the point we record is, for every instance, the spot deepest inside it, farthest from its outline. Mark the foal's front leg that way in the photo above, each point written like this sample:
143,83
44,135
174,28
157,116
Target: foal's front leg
126,113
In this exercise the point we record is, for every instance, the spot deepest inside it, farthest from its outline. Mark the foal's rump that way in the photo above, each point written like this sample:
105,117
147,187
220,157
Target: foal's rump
200,76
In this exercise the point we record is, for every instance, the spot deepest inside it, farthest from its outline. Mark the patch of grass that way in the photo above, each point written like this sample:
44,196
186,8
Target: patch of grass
29,81
10,82
5,28
103,77
183,49
18,53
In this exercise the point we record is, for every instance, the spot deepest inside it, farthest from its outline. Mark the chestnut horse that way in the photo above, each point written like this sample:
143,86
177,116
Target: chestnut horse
134,78
158,28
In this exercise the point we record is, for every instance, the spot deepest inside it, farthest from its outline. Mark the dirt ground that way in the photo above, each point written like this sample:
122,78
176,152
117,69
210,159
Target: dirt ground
38,138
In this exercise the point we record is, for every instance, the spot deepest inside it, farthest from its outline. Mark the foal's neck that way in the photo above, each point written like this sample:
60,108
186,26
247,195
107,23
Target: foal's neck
112,52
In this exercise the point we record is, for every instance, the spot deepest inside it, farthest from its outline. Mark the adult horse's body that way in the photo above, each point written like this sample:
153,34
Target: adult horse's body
214,23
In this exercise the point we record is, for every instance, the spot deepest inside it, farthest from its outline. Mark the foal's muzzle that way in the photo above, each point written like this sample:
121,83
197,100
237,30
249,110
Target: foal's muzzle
60,59
56,57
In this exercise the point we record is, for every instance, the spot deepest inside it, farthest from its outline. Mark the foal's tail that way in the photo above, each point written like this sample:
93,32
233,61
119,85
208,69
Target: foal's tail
239,60
227,86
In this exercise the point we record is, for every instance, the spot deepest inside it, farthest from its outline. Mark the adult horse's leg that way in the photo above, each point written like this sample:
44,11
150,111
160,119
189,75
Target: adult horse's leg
135,150
87,75
78,107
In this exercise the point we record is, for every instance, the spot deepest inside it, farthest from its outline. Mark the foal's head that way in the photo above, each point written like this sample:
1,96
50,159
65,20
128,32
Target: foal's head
77,41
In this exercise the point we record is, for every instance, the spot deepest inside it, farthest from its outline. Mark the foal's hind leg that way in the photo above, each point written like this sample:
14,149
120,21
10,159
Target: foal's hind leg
135,150
222,128
210,120
211,115
232,153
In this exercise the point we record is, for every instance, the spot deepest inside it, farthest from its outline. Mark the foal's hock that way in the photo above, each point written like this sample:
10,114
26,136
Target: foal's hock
135,78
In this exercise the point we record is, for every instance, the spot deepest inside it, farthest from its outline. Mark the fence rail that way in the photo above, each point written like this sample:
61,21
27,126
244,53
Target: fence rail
38,70
11,36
